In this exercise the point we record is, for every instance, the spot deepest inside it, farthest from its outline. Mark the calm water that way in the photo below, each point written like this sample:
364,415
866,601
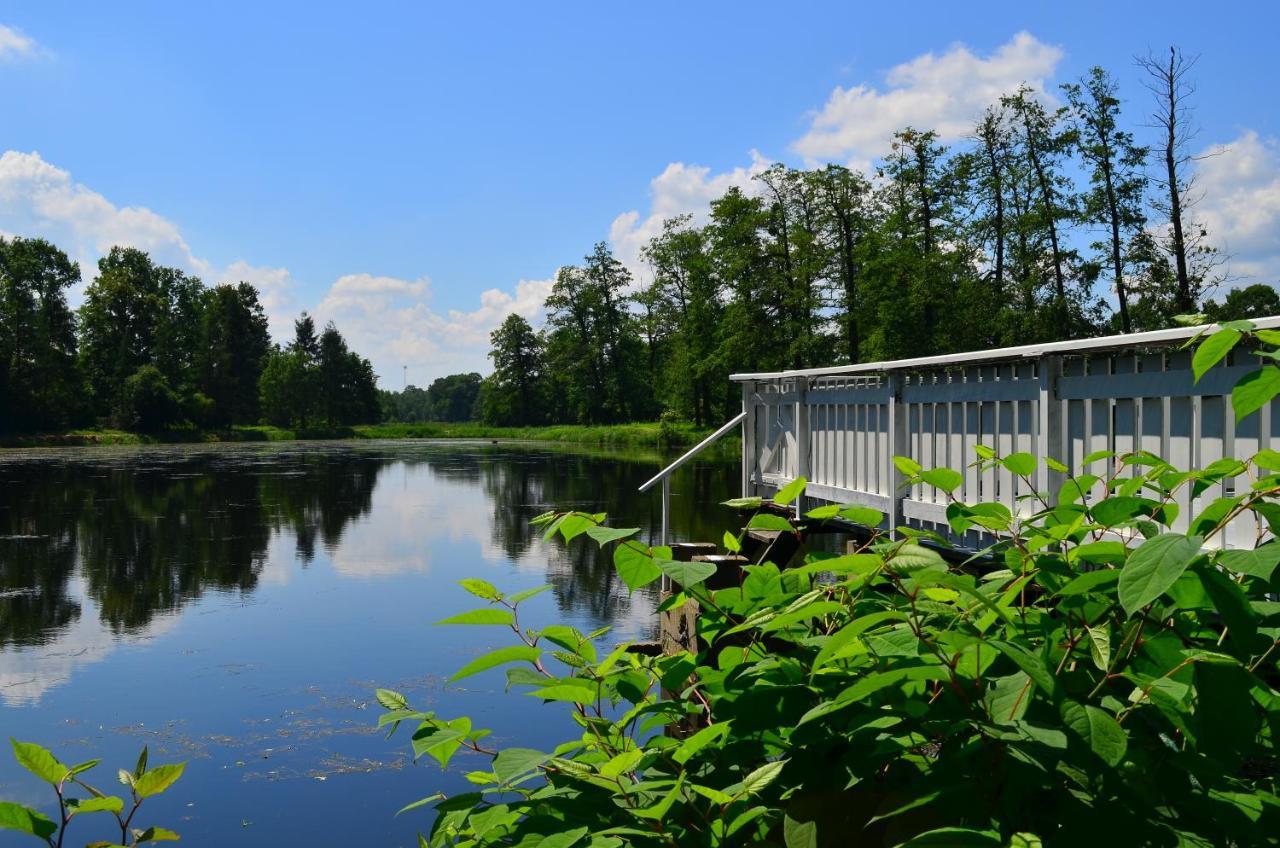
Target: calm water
236,606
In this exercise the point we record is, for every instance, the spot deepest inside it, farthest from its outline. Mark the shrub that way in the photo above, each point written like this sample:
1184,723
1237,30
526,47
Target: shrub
1092,676
147,402
143,782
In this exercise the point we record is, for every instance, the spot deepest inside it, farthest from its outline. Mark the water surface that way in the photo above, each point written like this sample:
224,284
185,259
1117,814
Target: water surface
235,606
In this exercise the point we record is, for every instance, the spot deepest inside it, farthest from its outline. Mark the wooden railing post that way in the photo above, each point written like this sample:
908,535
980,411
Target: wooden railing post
898,446
749,439
1050,440
802,437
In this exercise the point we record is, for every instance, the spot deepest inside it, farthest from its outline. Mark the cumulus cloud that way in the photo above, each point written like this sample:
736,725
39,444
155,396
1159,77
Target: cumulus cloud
13,44
392,322
680,189
944,92
40,199
1240,185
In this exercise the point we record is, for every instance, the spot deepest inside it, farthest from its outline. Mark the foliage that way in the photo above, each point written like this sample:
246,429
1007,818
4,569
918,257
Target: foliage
39,382
1091,674
453,398
147,402
318,381
143,782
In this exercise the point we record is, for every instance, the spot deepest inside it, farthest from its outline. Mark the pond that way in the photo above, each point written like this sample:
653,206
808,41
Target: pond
235,607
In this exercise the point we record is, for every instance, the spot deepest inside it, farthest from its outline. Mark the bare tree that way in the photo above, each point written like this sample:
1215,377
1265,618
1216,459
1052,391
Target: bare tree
1170,85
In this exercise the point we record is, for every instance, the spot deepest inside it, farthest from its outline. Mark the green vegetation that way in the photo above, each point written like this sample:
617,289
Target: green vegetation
153,351
1091,676
143,782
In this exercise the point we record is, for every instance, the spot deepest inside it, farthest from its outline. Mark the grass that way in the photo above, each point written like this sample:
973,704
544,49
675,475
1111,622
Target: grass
643,434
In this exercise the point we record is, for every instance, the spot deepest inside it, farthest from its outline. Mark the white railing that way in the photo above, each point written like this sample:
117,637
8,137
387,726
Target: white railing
664,476
841,427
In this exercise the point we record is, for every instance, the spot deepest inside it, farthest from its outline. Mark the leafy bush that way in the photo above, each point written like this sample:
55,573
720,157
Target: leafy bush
147,402
1093,676
143,782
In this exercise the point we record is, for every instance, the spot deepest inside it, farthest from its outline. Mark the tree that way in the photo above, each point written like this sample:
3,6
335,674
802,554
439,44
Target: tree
40,385
453,398
1256,301
136,313
1185,242
515,393
1117,185
234,343
347,386
147,402
843,197
284,389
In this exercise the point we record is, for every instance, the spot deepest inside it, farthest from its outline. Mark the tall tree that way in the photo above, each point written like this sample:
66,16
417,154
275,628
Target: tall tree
234,343
843,197
515,393
39,383
1171,88
1117,185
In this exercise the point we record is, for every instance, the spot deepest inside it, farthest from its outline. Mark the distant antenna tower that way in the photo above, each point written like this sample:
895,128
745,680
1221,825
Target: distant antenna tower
406,377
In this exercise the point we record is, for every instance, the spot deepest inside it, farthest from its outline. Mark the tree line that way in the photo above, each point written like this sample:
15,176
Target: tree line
152,347
1048,223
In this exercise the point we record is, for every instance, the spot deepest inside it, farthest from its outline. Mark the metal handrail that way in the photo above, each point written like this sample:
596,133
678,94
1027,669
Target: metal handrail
664,476
1074,346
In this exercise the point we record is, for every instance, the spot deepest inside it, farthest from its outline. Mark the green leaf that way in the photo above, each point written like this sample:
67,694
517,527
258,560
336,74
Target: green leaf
822,513
156,780
391,700
1100,645
564,839
158,834
1154,567
790,492
907,466
25,820
690,747
1254,390
1023,464
515,762
421,802
953,837
635,564
1098,729
488,615
944,478
39,762
798,834
768,521
622,763
512,653
527,594
1268,459
1259,562
604,535
102,804
480,588
1033,664
731,543
659,810
575,524
687,574
864,515
1212,350
743,503
755,782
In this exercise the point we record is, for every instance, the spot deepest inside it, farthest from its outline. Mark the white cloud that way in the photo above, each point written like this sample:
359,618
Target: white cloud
387,319
14,44
41,199
1240,185
945,93
680,189
391,322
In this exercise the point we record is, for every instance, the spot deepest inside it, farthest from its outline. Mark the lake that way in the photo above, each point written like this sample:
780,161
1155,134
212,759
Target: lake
235,607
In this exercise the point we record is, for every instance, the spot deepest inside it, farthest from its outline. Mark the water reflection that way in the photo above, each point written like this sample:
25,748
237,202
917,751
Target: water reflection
125,537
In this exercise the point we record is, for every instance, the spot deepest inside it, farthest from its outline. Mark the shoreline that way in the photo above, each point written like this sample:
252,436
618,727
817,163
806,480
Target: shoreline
644,434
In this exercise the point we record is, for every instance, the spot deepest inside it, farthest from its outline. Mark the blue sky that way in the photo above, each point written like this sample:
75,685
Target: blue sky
401,168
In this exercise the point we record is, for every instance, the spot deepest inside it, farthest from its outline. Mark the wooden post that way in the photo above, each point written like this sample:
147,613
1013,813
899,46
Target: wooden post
1049,430
898,446
802,437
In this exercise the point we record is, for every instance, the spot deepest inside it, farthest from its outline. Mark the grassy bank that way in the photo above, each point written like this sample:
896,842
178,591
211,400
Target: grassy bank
648,434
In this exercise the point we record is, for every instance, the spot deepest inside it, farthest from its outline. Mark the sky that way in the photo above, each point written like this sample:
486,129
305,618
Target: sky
417,171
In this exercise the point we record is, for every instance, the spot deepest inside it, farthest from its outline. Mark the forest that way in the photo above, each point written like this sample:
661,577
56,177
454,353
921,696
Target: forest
153,348
1050,222
1047,224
